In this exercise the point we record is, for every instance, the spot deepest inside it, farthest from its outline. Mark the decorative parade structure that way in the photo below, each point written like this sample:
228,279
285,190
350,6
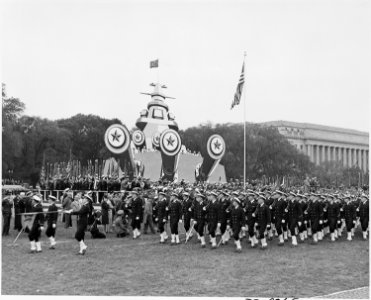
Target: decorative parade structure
158,131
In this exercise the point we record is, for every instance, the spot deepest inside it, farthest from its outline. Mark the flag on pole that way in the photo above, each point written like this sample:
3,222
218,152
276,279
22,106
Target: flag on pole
153,64
237,95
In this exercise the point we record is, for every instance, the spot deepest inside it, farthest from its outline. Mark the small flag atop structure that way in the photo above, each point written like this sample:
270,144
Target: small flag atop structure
153,64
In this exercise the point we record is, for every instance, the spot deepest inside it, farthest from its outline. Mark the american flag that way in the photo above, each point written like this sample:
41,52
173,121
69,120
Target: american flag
237,95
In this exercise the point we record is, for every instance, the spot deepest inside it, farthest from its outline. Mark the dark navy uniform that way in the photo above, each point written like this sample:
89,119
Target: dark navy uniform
263,218
162,214
83,214
136,213
187,213
175,210
278,208
237,221
200,217
52,217
364,214
294,214
212,217
38,222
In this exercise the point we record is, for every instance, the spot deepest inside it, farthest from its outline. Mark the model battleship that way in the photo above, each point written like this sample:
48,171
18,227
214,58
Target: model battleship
158,131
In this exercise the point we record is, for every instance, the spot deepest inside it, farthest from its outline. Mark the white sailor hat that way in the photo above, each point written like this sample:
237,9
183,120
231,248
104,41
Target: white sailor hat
88,197
237,200
212,193
52,198
36,198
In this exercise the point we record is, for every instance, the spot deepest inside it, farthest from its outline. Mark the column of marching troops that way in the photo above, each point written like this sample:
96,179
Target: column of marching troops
236,214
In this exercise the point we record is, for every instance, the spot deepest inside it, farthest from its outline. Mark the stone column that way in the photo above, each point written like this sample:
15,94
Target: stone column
360,159
317,155
345,157
323,158
310,152
349,164
329,153
364,161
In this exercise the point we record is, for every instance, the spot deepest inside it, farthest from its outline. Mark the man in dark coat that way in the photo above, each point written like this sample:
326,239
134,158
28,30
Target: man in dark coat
199,217
333,213
212,217
175,211
52,217
7,204
349,216
17,212
364,215
83,214
295,216
223,216
263,219
66,205
250,209
237,221
187,212
161,210
37,225
278,207
315,214
137,213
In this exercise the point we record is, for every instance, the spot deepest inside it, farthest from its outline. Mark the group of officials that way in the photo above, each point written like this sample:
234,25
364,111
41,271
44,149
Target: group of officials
260,214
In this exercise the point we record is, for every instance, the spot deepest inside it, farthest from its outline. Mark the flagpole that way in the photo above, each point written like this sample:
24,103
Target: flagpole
244,132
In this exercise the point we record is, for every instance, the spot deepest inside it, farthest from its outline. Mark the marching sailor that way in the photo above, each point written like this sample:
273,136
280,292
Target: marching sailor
137,213
199,217
83,214
364,215
37,225
212,217
52,217
237,221
175,209
161,215
263,219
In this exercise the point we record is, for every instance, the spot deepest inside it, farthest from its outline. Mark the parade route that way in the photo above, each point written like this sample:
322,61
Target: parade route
128,267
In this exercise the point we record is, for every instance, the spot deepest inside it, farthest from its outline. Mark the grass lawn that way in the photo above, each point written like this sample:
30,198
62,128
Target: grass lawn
127,267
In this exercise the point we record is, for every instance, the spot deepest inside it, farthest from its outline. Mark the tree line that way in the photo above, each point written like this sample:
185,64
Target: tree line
28,142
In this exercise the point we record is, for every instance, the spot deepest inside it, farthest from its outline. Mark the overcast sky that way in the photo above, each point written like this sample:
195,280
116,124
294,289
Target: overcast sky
307,61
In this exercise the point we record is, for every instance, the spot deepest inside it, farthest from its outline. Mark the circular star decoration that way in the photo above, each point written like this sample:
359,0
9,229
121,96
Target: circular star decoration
170,141
116,137
217,146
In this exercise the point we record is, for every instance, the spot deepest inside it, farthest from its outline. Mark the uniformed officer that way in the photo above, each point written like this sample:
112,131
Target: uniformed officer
199,217
278,207
315,213
187,213
175,210
263,219
161,215
37,225
237,221
7,212
295,216
333,213
212,217
250,208
364,215
83,214
223,216
52,217
137,213
349,216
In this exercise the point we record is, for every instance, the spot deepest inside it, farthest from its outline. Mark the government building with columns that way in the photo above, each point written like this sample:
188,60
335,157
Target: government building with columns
325,143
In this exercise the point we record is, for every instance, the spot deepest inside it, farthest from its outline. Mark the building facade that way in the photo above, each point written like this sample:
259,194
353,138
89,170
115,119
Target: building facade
325,143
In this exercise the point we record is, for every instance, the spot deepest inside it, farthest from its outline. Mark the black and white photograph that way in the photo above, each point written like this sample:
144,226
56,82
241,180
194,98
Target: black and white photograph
201,148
